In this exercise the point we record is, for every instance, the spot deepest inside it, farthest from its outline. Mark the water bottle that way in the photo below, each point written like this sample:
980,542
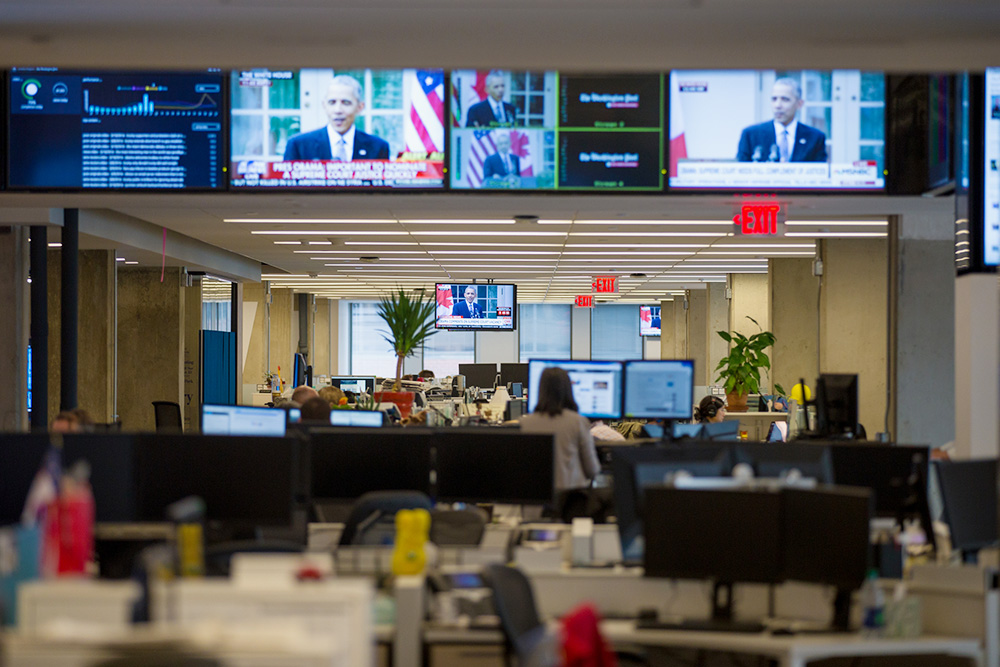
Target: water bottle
873,606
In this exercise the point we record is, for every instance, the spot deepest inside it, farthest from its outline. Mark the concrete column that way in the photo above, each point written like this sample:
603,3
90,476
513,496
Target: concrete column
580,333
794,321
191,406
751,298
95,332
254,338
38,336
924,382
338,339
283,343
14,326
321,346
977,358
717,320
668,329
698,334
854,321
680,330
150,343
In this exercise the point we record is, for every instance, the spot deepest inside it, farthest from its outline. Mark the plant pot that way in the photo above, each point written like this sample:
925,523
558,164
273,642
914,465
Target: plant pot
402,399
736,402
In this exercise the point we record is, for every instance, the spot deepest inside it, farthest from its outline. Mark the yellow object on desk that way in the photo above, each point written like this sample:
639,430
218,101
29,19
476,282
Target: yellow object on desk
412,530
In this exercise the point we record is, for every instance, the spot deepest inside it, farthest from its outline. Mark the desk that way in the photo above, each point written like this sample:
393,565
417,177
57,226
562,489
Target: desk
793,650
756,423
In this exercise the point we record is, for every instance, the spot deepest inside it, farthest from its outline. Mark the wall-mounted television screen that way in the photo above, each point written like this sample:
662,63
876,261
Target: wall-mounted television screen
777,130
649,320
516,130
325,128
991,175
476,306
97,130
597,385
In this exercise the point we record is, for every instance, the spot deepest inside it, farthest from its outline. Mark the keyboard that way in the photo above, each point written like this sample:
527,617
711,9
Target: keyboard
700,625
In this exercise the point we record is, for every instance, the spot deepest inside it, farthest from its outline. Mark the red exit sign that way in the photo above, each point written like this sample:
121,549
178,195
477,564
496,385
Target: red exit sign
605,284
760,219
584,301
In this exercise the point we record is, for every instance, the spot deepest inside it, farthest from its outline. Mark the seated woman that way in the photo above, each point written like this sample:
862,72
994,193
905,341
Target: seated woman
712,409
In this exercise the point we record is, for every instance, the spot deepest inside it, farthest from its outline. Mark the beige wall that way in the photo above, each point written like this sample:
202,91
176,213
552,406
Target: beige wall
254,338
794,304
853,322
150,343
751,298
321,346
282,344
668,330
718,320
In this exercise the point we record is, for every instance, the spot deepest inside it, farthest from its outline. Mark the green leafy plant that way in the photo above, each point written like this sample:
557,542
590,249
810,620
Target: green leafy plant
364,402
410,318
740,370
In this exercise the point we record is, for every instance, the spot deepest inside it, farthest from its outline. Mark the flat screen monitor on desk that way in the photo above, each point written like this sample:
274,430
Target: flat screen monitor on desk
969,492
347,462
368,418
787,460
635,468
837,405
513,373
356,384
494,465
660,389
597,385
242,420
246,482
483,376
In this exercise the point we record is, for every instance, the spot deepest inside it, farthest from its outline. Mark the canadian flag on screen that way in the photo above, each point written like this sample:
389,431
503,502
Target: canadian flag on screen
646,316
444,302
678,145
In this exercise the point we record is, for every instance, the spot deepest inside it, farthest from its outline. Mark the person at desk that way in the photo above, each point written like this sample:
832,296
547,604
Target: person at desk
556,412
711,410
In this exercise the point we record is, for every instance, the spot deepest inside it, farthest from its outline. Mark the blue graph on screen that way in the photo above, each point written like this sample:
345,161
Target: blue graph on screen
206,106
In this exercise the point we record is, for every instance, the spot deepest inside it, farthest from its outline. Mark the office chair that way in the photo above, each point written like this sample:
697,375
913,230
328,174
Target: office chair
168,417
525,636
372,518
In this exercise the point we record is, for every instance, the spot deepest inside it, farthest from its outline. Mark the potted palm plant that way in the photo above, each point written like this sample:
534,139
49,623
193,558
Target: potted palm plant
410,320
740,369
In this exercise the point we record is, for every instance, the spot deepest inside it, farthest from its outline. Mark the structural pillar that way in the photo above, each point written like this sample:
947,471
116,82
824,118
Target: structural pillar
70,307
39,338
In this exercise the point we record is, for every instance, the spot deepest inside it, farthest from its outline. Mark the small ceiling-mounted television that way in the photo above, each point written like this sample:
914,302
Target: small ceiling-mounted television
476,306
649,320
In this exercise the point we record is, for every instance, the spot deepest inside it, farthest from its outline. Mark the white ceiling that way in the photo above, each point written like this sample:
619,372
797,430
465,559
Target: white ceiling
577,35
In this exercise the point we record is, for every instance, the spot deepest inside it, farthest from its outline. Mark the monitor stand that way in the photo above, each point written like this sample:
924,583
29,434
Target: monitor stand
721,620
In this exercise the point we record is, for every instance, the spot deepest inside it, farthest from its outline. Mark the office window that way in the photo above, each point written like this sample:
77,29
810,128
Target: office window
445,350
371,354
614,333
544,331
216,305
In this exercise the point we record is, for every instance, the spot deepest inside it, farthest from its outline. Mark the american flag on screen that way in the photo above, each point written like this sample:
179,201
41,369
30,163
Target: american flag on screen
482,144
423,130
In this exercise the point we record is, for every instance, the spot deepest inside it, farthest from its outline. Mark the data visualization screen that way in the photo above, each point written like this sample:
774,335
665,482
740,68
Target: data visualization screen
115,130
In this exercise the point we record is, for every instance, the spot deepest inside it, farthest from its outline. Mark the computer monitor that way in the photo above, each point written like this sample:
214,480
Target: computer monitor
597,385
246,482
659,389
723,535
635,468
513,373
112,460
896,474
347,462
366,418
724,431
483,376
837,405
242,420
969,492
495,465
780,459
826,541
356,384
21,456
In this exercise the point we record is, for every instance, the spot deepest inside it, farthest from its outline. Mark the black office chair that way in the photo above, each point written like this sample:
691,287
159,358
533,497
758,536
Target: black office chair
168,417
373,517
523,630
526,641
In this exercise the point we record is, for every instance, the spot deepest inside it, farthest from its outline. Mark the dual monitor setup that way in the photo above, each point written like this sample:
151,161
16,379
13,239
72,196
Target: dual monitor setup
428,129
273,422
